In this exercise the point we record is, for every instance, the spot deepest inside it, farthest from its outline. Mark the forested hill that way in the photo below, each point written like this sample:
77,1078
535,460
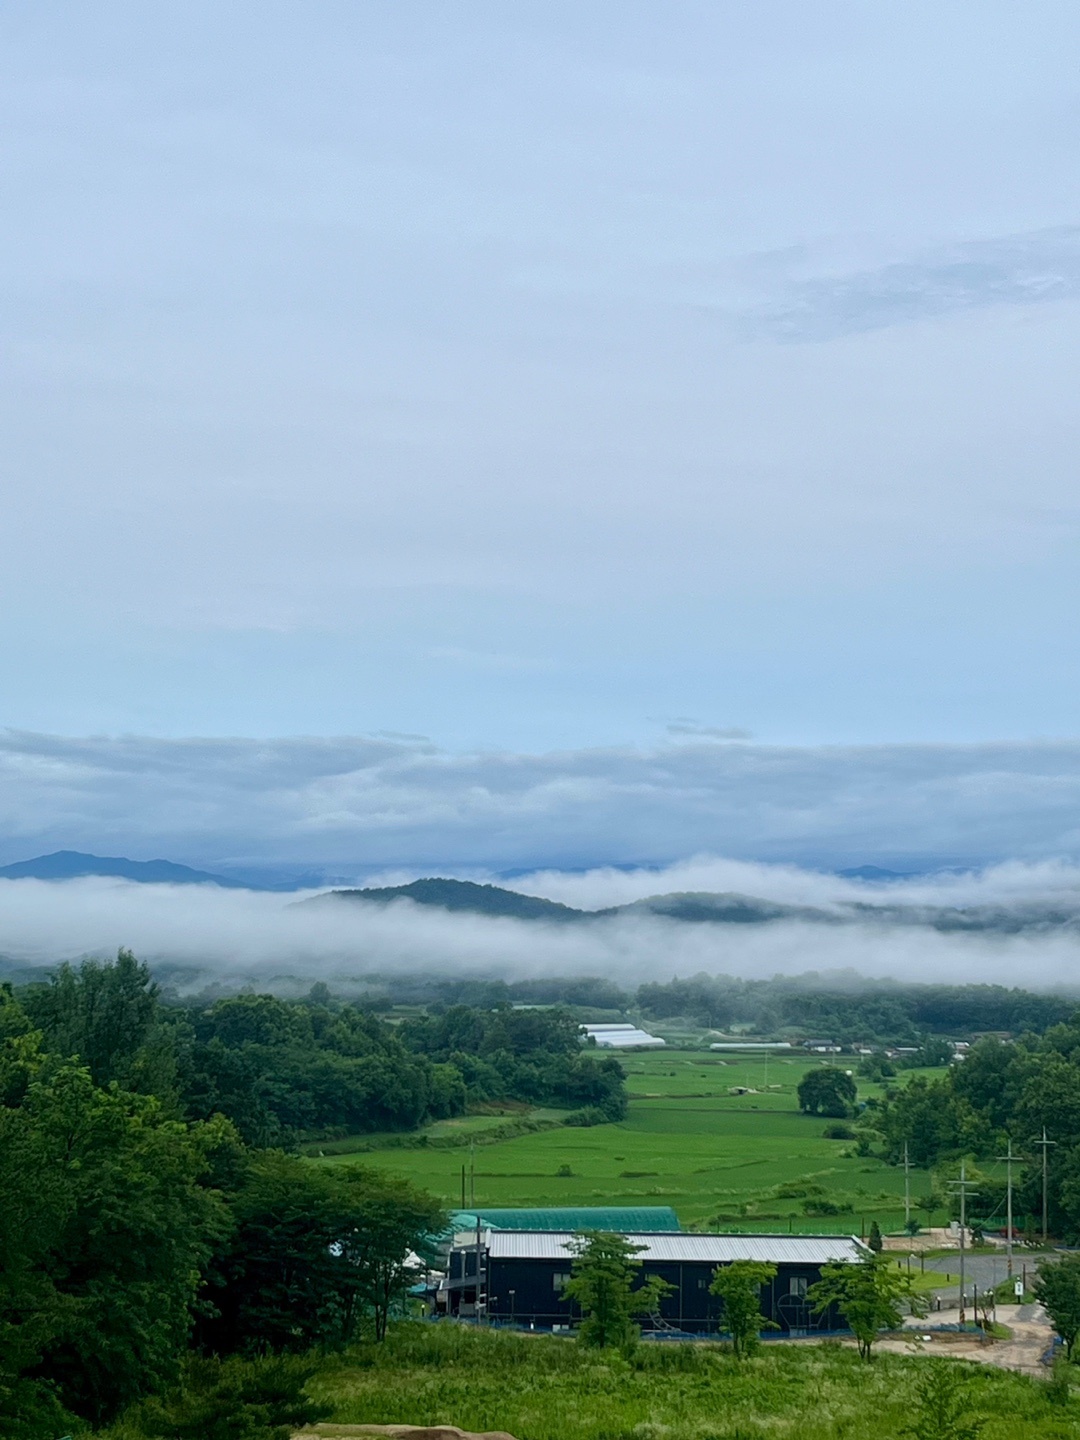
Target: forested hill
719,908
460,895
465,895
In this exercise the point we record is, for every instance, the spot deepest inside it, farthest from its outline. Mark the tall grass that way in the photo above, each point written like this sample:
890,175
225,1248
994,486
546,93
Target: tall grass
546,1388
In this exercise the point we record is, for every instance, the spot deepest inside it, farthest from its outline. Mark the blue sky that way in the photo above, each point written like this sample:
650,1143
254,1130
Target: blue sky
553,381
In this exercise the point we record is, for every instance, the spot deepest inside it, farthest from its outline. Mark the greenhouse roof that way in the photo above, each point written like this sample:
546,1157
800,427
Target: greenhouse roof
570,1218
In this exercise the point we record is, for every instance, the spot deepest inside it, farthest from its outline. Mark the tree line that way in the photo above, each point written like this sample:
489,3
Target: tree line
282,1070
158,1259
851,1008
1002,1094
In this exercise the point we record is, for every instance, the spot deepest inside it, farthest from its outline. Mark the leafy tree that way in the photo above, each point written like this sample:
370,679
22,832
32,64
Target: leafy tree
739,1286
108,1017
602,1284
106,1222
874,1239
867,1294
1058,1289
134,1228
827,1090
943,1410
313,1252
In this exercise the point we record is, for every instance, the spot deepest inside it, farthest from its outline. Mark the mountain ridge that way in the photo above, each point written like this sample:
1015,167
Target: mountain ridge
77,865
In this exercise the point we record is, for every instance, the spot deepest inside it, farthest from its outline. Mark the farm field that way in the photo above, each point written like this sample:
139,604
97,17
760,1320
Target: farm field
718,1158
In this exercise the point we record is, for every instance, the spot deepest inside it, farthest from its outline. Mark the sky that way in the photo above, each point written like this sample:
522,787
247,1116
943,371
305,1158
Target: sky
564,434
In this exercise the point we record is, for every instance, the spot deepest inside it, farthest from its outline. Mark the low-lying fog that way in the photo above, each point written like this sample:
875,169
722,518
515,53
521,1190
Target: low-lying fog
234,935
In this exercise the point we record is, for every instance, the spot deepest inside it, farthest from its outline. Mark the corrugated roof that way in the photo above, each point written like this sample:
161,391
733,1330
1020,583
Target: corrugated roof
705,1249
570,1218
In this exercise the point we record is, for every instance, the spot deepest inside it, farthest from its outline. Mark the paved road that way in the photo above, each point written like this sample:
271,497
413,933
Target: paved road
983,1271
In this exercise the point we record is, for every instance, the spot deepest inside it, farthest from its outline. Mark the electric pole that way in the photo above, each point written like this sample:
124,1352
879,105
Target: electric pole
1008,1159
1044,1144
907,1187
960,1187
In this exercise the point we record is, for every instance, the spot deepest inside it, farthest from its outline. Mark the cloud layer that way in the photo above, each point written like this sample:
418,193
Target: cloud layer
241,936
351,806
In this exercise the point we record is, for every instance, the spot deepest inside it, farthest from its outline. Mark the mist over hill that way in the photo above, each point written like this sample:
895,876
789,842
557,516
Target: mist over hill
1013,924
718,908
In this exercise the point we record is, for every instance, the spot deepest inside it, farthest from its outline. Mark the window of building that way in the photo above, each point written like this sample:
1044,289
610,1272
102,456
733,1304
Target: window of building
797,1286
560,1279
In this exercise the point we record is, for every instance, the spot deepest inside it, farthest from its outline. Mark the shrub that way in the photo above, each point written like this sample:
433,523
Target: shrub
827,1207
838,1131
590,1115
234,1399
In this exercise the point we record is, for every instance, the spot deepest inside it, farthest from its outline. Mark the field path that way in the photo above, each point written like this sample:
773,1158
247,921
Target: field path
1032,1335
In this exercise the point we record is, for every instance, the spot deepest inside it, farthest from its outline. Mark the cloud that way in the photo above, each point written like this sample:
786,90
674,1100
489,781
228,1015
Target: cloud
707,732
244,936
358,804
1027,269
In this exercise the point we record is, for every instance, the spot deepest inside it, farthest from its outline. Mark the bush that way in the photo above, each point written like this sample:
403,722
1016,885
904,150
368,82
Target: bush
838,1131
827,1207
234,1399
590,1115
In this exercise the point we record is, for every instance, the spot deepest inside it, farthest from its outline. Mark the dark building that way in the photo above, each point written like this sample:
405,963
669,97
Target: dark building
523,1272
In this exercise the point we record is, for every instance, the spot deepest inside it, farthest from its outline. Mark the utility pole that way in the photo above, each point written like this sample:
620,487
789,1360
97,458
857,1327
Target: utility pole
907,1187
960,1187
1008,1159
1044,1144
472,1173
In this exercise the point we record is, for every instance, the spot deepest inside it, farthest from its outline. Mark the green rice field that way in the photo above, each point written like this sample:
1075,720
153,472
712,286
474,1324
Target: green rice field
717,1157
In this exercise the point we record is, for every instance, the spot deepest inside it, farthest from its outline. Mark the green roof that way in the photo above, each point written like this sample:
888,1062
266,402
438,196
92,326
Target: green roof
636,1218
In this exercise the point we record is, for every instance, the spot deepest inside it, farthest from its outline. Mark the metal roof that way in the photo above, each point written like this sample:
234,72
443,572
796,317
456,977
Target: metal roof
570,1219
704,1249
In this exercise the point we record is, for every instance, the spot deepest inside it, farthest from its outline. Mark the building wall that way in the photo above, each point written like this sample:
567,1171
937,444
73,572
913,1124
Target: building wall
528,1292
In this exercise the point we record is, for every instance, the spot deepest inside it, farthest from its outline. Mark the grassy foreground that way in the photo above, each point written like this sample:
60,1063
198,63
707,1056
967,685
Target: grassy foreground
543,1388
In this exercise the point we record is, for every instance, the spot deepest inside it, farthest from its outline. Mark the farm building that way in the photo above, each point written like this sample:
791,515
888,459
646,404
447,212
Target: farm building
522,1274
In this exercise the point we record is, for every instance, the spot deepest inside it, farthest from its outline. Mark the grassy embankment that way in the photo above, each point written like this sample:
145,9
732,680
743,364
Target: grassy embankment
543,1388
718,1158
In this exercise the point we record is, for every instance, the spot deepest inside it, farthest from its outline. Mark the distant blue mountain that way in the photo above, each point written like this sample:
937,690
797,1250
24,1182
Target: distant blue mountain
71,864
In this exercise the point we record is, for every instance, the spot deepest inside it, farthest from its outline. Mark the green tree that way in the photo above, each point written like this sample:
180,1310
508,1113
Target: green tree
827,1090
108,1017
106,1223
942,1407
1058,1289
602,1284
867,1293
313,1252
739,1286
133,1228
874,1239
